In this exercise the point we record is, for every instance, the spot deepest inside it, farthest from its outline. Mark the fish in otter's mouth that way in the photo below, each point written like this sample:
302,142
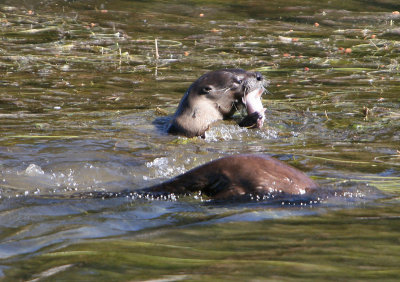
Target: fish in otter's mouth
254,107
252,101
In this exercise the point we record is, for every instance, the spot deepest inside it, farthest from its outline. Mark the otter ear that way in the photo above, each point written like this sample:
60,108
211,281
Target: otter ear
205,89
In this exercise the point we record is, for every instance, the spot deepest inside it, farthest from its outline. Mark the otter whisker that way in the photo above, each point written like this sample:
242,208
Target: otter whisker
241,111
244,101
225,89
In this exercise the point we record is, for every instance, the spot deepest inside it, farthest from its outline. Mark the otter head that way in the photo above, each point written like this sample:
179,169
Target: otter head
217,95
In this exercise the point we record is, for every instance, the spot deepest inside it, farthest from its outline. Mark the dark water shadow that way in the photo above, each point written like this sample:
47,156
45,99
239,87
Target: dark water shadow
161,124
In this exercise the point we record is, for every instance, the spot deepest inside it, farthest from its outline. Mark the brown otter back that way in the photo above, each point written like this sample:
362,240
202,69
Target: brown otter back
238,175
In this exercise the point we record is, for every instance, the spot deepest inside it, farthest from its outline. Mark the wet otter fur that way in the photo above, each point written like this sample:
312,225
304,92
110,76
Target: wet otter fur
234,177
237,176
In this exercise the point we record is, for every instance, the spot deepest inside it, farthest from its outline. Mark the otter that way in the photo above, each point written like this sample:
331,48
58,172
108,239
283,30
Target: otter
218,95
237,176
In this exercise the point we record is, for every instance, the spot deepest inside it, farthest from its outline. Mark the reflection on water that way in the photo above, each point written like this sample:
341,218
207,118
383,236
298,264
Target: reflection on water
84,100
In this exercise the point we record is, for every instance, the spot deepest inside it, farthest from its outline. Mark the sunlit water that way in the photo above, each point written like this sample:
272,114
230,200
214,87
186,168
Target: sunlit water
83,107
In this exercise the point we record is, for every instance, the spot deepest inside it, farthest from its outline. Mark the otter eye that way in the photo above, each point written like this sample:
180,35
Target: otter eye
206,89
258,76
237,81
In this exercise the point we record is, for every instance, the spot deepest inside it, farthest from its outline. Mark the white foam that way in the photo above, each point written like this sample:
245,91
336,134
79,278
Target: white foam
34,170
165,168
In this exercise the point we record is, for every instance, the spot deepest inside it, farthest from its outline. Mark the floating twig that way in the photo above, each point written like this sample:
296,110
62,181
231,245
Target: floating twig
326,115
156,44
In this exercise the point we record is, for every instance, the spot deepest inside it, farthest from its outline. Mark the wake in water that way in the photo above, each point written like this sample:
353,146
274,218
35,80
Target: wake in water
343,194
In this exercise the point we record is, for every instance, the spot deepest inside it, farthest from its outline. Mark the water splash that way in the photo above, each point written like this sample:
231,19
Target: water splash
61,180
34,170
164,168
229,132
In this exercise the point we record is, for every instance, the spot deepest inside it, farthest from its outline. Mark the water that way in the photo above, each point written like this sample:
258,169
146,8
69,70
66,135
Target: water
83,104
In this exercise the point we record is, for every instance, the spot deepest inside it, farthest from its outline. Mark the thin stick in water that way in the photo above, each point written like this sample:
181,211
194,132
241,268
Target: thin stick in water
156,43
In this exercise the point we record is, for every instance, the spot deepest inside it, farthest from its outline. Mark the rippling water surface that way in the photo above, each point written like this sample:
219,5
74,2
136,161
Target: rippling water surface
84,99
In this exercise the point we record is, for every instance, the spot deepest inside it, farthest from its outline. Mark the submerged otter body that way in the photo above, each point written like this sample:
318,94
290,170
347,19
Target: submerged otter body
237,176
217,95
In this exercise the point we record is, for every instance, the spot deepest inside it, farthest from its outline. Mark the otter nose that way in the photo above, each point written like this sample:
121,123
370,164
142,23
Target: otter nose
259,76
